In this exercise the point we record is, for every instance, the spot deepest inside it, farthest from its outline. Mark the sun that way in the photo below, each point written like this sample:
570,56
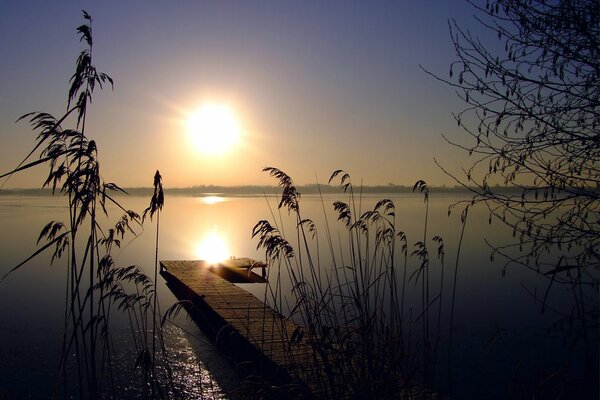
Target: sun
213,128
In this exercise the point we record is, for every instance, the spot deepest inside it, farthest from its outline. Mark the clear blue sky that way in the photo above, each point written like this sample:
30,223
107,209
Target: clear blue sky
315,86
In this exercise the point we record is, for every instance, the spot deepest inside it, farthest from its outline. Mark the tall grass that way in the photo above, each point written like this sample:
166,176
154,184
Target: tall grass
350,299
95,287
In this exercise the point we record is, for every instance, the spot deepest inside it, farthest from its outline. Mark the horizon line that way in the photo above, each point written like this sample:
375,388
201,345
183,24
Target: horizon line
211,189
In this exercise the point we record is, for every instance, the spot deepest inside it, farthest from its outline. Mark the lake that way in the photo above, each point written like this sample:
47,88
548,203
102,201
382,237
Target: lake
503,344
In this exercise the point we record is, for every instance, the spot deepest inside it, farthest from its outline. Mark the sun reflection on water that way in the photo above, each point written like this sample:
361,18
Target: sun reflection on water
213,248
210,200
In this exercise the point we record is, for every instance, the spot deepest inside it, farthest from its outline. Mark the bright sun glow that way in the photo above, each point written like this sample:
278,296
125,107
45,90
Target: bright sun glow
210,200
213,248
213,128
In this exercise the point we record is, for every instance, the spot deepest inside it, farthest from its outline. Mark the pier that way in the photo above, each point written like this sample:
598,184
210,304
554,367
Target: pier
254,336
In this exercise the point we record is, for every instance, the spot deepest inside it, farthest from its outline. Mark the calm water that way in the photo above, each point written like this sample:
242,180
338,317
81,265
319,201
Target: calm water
503,342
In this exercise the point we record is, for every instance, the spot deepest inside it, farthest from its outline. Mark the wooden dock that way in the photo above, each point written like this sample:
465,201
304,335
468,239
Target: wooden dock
255,337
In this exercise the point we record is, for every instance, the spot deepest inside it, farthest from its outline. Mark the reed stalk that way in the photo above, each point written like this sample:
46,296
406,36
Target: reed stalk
94,284
463,219
350,304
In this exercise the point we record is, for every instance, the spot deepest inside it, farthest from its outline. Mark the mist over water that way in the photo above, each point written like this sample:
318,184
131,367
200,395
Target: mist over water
499,330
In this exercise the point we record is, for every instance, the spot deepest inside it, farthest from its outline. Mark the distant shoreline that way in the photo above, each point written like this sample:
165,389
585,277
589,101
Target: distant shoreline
205,190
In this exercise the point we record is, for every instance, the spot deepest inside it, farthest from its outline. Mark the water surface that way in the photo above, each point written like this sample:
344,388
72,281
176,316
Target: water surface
503,343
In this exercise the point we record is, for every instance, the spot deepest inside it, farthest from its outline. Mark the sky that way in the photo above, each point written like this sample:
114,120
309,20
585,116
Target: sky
314,86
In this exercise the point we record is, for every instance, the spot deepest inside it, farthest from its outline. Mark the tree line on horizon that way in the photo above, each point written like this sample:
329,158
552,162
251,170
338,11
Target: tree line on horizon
261,189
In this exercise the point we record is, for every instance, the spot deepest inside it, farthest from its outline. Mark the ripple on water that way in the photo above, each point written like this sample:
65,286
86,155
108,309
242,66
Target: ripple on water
191,378
190,375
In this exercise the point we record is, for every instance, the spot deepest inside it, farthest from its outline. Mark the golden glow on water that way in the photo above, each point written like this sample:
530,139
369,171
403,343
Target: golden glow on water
213,248
210,200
